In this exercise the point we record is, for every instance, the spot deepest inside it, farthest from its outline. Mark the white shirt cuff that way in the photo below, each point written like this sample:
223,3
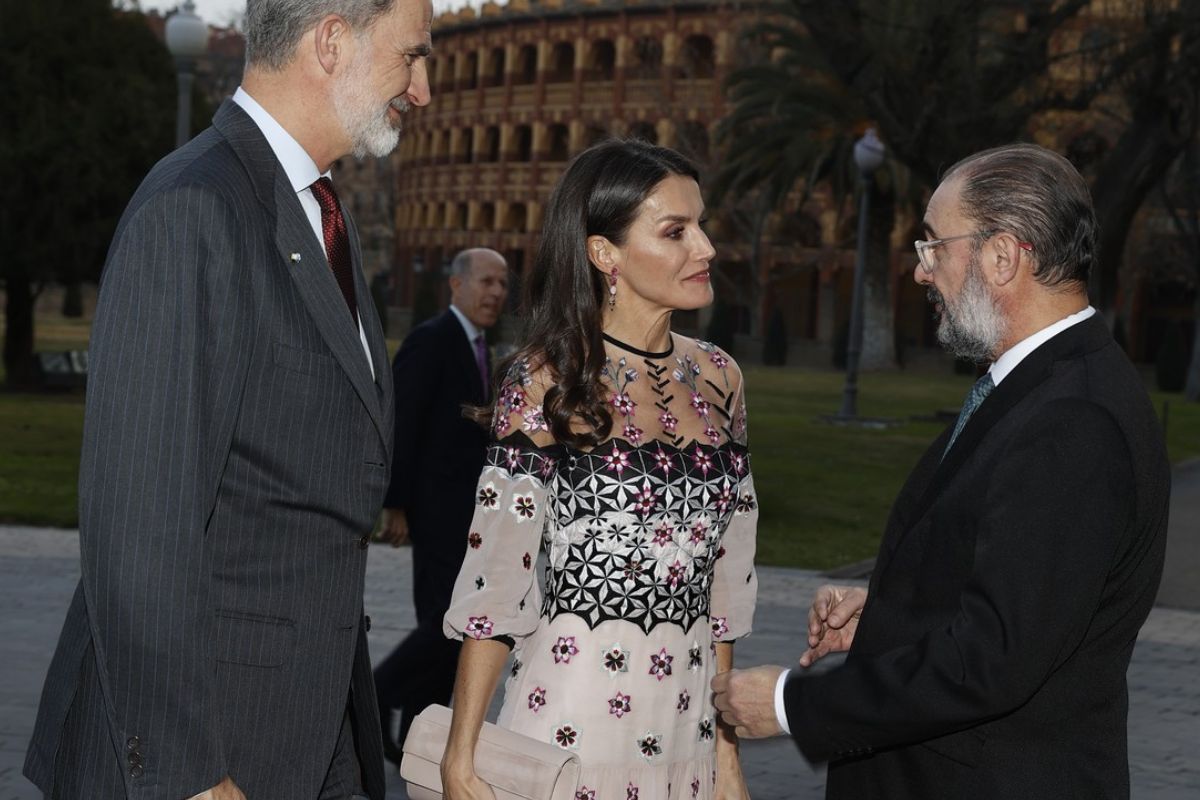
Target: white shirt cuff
780,711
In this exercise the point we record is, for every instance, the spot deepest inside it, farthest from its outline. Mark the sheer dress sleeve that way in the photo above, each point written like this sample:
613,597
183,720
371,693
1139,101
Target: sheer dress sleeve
496,595
735,581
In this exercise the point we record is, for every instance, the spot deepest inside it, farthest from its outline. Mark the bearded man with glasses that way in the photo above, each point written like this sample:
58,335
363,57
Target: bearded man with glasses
987,657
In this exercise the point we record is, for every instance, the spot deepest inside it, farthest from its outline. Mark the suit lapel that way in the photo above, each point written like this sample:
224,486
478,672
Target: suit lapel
1086,336
305,261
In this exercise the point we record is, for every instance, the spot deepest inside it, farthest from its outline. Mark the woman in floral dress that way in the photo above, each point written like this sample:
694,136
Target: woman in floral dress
620,448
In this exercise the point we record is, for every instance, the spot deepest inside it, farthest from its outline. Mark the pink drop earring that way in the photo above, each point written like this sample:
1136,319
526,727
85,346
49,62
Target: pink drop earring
612,287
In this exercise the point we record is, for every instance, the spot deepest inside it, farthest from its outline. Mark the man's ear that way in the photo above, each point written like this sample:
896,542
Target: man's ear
600,253
330,38
1007,258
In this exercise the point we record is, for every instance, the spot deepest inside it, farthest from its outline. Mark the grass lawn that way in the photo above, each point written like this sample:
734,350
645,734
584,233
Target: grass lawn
824,490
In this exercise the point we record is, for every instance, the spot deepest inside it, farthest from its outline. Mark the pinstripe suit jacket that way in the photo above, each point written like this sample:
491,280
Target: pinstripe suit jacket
236,452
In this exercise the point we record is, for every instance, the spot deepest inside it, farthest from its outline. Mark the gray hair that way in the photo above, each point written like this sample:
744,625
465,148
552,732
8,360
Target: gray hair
274,27
1039,196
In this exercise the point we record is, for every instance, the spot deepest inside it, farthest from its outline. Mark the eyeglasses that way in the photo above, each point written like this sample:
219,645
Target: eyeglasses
925,248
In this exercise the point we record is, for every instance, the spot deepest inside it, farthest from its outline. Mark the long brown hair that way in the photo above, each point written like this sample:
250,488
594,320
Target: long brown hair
562,304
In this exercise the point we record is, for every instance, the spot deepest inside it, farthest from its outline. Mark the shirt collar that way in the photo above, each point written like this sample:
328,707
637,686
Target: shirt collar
297,164
473,332
1014,355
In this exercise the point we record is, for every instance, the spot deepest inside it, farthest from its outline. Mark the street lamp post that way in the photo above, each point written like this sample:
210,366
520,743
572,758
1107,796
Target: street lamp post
187,39
868,157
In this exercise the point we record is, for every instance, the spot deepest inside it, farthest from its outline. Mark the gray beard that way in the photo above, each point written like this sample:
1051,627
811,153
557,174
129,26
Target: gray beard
973,326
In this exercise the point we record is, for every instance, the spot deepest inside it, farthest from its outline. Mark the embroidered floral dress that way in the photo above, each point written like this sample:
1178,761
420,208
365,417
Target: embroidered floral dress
650,539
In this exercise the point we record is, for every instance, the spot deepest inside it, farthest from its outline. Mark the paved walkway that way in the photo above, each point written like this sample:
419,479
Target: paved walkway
39,568
1181,575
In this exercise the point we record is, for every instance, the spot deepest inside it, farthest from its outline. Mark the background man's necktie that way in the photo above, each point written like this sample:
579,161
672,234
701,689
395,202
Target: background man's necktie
979,392
481,362
337,242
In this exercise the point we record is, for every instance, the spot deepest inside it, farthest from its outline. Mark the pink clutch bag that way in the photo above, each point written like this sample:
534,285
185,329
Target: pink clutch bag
516,766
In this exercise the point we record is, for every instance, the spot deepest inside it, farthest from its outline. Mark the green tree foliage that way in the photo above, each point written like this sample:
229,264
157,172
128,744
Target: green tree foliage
945,78
88,99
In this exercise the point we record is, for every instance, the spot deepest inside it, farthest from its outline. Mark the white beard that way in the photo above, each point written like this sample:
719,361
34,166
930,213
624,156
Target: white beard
974,326
371,132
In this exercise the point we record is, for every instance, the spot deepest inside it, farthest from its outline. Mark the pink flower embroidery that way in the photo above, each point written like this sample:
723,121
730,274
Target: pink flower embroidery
699,531
526,561
668,421
617,460
724,499
714,438
621,402
475,540
631,792
663,533
702,460
700,404
524,507
719,360
739,463
660,664
479,627
535,420
645,501
563,649
662,461
537,699
512,457
618,706
584,793
685,700
719,627
633,433
675,575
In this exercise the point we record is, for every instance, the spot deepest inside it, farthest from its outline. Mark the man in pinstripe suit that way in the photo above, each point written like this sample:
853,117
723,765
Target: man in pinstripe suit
236,444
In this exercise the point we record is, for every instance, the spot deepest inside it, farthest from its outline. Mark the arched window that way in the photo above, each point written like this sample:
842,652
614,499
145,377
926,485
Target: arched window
644,131
526,65
647,57
495,68
559,148
460,216
446,73
523,152
491,144
602,60
471,71
693,140
516,218
698,57
562,63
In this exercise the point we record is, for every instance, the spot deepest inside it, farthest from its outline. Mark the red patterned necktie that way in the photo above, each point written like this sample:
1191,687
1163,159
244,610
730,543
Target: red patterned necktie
337,243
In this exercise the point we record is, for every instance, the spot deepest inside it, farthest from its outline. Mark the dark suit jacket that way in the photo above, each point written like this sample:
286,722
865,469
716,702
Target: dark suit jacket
1009,589
235,457
438,454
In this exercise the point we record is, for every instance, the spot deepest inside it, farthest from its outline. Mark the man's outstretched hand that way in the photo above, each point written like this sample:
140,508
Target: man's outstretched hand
832,621
225,790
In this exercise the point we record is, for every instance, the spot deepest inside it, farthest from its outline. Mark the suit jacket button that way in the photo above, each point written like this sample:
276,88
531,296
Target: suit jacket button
136,771
135,759
364,541
134,743
367,621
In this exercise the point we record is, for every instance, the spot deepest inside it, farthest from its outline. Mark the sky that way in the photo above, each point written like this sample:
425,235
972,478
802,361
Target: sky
222,12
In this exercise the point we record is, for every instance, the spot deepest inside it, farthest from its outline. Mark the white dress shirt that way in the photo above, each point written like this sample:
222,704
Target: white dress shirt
301,172
473,330
999,370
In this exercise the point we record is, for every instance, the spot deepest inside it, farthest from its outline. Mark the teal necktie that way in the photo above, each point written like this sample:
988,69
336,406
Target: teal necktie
979,392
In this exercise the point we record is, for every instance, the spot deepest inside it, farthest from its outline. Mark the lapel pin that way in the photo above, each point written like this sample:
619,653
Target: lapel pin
295,257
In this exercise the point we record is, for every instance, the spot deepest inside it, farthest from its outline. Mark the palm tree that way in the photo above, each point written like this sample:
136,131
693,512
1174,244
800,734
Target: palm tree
792,127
